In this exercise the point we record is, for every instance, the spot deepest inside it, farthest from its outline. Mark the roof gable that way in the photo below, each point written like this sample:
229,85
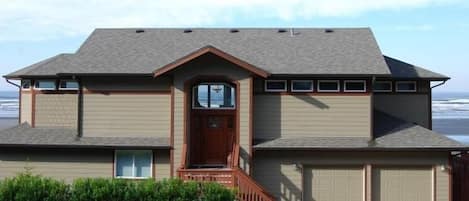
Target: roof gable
215,51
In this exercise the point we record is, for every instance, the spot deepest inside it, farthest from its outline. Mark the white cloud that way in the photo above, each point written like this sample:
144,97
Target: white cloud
46,19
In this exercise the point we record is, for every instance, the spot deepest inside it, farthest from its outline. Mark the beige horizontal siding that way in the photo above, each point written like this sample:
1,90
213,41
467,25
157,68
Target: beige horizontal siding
127,84
56,110
410,107
26,103
64,165
281,174
311,116
126,115
162,165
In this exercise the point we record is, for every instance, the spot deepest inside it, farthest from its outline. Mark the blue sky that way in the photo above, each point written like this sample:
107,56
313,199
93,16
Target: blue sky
430,33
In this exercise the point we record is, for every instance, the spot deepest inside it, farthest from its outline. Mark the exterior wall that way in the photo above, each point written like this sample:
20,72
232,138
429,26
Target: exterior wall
277,115
209,65
56,110
26,107
126,115
126,84
162,165
62,164
280,172
408,106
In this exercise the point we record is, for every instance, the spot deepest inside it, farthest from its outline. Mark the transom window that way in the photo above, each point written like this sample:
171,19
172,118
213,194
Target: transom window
328,86
275,85
213,96
354,86
302,86
133,164
382,86
68,85
406,86
45,84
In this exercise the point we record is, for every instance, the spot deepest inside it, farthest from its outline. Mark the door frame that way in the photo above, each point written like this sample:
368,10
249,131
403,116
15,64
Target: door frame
185,159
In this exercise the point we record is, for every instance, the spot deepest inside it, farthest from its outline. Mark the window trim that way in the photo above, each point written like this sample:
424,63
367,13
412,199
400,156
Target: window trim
301,90
68,89
38,88
330,81
275,90
30,85
355,81
133,164
390,84
407,91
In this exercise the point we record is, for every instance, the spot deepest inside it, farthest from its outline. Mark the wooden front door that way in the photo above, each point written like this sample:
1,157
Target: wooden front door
213,125
212,137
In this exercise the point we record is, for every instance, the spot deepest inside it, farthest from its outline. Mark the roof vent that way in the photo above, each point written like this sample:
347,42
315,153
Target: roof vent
328,30
139,31
234,30
187,30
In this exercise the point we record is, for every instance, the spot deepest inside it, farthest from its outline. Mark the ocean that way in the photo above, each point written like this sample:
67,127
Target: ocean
450,113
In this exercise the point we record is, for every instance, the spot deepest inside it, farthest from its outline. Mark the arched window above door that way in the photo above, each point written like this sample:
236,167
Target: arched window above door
213,96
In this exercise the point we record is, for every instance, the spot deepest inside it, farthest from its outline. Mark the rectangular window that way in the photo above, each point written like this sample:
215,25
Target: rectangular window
25,84
328,86
355,86
213,96
133,164
302,86
45,84
275,85
406,86
382,86
68,85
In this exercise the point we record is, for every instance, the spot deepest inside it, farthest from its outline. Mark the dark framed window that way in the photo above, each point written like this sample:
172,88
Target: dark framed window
213,96
328,86
45,84
302,86
68,85
406,86
25,84
354,86
382,86
275,85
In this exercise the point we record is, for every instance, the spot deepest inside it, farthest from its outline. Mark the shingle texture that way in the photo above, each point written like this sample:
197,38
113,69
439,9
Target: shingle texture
400,69
25,135
350,51
390,133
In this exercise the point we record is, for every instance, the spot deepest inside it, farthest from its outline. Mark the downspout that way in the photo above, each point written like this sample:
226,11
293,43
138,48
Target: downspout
80,108
19,96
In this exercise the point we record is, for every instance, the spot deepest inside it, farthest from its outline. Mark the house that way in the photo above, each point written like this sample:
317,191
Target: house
282,114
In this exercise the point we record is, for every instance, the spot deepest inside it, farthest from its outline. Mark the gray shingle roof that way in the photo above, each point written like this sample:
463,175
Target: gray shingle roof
25,135
390,133
349,51
400,69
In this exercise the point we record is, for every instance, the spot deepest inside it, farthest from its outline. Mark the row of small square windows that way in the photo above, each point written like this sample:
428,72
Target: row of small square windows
334,86
50,84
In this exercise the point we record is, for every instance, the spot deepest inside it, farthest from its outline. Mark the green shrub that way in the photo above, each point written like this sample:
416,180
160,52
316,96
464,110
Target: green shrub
216,192
28,187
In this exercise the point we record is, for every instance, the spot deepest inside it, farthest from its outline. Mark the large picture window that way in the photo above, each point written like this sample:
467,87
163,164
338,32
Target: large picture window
133,164
213,96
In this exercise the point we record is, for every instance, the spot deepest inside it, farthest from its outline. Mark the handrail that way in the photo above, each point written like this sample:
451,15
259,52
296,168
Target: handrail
183,158
249,189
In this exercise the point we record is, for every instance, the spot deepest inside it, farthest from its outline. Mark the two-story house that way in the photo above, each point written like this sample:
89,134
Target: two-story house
282,114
